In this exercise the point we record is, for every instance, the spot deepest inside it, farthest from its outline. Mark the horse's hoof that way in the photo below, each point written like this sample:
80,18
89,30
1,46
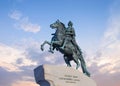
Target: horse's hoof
68,65
41,48
51,51
77,66
88,74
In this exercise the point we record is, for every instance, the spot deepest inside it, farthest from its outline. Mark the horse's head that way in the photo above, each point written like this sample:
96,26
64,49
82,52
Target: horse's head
57,25
60,31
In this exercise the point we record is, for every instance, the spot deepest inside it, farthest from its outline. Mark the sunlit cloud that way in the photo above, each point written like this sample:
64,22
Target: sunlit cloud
21,58
105,63
10,56
25,80
110,47
24,83
23,22
17,64
50,58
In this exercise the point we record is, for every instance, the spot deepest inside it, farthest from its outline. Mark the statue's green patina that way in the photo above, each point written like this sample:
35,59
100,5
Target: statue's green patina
63,40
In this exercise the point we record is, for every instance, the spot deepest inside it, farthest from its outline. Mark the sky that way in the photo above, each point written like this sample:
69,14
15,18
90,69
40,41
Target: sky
25,25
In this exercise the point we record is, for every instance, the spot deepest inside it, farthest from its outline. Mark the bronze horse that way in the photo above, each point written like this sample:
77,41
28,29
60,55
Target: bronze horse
69,50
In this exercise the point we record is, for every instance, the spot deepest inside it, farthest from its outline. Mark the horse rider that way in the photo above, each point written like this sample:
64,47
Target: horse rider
70,37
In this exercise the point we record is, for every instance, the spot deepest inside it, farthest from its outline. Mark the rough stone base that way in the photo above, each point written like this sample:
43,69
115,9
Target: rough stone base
50,75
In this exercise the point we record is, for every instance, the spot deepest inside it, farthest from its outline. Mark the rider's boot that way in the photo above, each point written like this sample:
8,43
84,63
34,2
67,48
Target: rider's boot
51,51
63,45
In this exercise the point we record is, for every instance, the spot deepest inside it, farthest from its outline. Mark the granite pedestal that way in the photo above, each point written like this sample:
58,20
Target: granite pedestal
51,75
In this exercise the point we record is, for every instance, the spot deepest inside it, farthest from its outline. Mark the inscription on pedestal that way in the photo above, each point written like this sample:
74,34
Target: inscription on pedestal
70,78
47,75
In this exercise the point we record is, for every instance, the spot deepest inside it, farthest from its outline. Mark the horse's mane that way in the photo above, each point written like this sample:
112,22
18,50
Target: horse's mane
63,25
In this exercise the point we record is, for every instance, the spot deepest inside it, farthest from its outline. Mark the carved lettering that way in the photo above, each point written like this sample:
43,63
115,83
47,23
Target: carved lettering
70,79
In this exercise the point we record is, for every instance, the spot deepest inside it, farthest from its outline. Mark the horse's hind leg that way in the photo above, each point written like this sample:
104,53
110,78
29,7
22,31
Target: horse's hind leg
75,58
67,61
77,63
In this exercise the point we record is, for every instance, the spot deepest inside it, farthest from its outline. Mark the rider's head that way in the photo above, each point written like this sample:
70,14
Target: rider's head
70,23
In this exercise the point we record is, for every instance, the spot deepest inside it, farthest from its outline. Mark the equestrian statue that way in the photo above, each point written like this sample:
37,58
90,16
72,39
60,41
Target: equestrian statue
63,40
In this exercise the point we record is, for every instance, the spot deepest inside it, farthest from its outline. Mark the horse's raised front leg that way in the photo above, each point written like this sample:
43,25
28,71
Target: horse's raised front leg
42,45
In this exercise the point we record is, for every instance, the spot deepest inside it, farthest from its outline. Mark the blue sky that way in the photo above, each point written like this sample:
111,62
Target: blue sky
25,24
88,16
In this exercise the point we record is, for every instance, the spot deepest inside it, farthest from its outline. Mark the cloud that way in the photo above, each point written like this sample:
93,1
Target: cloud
23,22
105,63
16,15
10,57
110,46
6,78
19,60
15,66
17,78
24,83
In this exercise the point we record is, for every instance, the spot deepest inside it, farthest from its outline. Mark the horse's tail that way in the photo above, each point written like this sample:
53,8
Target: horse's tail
81,58
83,64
